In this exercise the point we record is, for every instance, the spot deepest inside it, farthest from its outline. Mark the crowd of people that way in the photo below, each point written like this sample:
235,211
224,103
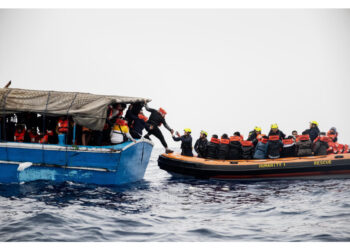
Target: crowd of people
260,146
119,128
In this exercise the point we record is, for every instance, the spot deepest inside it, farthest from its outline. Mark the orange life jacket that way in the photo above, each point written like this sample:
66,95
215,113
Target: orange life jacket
45,138
259,137
19,137
304,137
215,140
247,143
236,138
287,141
264,140
274,138
332,136
225,141
62,126
142,117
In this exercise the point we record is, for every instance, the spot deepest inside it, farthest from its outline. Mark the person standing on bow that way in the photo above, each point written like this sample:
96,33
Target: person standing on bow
186,142
313,131
156,119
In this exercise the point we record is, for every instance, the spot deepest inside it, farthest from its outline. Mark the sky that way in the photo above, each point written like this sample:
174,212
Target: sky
219,70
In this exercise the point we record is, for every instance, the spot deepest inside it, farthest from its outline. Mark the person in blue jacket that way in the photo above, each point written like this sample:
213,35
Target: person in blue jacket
261,148
186,142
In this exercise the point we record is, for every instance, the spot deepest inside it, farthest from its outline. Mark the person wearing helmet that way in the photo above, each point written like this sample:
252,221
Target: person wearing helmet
275,131
186,142
313,131
201,144
156,119
253,135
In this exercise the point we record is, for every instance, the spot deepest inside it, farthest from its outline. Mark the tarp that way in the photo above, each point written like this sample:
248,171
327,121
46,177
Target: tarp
87,110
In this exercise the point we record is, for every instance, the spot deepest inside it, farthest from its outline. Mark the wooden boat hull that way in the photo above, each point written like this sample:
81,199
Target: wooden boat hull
313,167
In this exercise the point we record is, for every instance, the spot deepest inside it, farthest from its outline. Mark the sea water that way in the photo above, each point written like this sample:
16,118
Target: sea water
166,208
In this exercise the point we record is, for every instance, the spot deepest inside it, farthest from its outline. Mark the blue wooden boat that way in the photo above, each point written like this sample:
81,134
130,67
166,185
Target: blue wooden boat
104,165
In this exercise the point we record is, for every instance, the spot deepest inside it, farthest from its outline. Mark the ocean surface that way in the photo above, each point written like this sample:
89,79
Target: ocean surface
165,208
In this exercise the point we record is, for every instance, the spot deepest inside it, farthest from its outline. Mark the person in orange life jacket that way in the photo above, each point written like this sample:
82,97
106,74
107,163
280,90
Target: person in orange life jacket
274,146
32,136
313,131
254,135
333,134
275,131
295,135
19,133
289,148
120,132
320,145
62,125
247,149
235,152
156,119
223,148
304,145
201,144
136,121
261,148
49,137
186,142
212,147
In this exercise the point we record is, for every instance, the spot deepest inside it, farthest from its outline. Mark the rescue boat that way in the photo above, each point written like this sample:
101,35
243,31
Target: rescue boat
310,167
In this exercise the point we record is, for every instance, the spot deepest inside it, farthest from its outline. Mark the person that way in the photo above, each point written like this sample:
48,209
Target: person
261,148
201,144
62,125
86,136
156,119
120,132
247,148
275,131
19,133
253,135
333,134
289,148
295,135
223,148
313,131
235,152
186,142
137,121
274,146
49,137
321,144
212,147
32,135
304,145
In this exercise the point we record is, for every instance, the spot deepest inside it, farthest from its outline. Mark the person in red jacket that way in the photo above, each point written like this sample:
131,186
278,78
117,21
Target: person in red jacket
19,133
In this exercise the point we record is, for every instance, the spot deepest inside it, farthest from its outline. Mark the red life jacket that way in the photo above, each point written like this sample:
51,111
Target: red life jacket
304,137
225,141
45,138
215,140
332,136
63,126
34,138
142,117
19,137
264,140
247,143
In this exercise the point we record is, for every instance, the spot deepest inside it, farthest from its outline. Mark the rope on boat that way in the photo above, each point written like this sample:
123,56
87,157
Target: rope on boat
75,96
44,127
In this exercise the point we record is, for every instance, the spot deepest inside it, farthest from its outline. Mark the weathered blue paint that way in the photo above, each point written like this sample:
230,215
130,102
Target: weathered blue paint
108,165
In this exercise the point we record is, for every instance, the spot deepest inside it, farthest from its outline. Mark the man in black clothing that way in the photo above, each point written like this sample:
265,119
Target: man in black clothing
212,147
137,121
313,131
186,142
201,145
275,131
253,134
156,119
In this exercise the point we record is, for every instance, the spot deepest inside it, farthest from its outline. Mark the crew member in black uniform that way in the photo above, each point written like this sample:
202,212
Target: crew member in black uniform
275,131
156,119
313,131
186,142
201,144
